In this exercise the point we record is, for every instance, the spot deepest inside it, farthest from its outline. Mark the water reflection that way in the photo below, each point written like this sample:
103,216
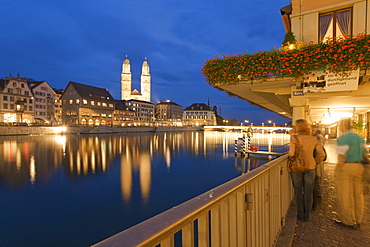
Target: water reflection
32,158
110,181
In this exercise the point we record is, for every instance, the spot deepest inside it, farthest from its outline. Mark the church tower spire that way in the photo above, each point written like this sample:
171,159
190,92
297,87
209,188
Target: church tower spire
145,81
126,80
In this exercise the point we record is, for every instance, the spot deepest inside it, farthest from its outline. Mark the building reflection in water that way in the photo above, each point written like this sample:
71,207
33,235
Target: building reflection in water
29,159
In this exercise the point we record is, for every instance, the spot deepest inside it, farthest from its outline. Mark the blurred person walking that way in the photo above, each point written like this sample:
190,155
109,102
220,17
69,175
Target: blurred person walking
303,182
349,175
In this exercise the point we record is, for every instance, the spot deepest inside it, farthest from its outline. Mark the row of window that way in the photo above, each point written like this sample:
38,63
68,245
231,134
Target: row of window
19,107
11,98
140,105
15,84
122,113
197,117
40,106
93,122
196,113
92,102
18,91
43,94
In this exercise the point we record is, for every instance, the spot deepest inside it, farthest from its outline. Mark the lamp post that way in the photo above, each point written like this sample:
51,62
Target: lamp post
269,121
247,122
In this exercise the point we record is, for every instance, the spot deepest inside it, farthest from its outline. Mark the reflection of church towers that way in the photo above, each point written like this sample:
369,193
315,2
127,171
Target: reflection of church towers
126,82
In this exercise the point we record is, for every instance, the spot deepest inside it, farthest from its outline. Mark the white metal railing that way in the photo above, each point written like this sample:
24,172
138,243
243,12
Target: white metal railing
249,210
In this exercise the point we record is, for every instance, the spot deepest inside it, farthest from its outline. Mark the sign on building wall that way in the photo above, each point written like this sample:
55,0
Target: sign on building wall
329,82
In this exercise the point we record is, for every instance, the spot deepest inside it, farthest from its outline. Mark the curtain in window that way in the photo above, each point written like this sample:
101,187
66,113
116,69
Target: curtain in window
343,19
325,21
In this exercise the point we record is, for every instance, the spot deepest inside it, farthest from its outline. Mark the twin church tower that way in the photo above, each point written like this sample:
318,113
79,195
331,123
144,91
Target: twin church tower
126,82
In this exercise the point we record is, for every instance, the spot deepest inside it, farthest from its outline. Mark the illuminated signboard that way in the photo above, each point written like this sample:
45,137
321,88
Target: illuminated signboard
329,82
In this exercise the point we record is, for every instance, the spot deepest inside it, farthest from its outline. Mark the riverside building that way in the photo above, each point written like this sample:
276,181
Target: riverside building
199,114
304,78
16,101
87,105
168,113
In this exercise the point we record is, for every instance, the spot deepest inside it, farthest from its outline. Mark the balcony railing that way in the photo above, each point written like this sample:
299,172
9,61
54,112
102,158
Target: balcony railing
249,210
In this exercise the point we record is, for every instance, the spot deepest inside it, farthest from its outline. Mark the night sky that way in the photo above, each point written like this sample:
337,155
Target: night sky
87,41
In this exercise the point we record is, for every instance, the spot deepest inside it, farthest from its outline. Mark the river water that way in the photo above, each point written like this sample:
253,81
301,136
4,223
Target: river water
76,190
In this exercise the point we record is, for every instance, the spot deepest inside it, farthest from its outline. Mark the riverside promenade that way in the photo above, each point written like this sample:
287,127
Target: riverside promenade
321,229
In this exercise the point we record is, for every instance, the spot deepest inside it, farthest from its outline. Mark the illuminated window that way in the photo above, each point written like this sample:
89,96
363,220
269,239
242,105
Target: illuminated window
335,24
84,101
92,102
99,103
71,101
110,105
104,104
77,101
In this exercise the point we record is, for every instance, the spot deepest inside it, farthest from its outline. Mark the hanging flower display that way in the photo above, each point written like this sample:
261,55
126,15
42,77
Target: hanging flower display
337,56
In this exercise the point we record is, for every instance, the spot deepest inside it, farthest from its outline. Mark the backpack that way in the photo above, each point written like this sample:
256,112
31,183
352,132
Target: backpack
297,163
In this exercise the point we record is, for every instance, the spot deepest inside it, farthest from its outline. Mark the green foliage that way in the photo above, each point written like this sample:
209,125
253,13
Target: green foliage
358,126
289,38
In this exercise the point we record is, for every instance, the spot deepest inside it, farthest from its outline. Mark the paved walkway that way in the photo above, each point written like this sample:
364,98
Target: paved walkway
321,229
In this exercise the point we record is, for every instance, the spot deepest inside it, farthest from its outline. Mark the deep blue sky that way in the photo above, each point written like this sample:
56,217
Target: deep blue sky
86,42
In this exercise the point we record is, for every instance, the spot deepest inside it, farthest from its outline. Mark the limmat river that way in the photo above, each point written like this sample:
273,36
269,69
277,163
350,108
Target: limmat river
76,190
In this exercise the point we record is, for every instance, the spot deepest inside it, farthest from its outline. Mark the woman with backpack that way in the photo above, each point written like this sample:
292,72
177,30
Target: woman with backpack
304,180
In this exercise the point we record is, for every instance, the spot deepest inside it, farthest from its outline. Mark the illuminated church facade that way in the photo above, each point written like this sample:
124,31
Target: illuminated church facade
126,82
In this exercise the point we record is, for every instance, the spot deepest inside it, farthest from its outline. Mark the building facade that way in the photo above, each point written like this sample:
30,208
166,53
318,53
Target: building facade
16,101
326,34
144,112
43,102
123,115
316,21
199,114
168,113
126,82
58,110
322,21
87,105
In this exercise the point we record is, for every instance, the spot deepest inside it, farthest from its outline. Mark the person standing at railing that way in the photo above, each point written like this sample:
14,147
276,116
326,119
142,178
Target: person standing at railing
348,176
303,182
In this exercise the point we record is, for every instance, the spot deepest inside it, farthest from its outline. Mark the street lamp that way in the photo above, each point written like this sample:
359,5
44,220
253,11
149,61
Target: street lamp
246,121
269,122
